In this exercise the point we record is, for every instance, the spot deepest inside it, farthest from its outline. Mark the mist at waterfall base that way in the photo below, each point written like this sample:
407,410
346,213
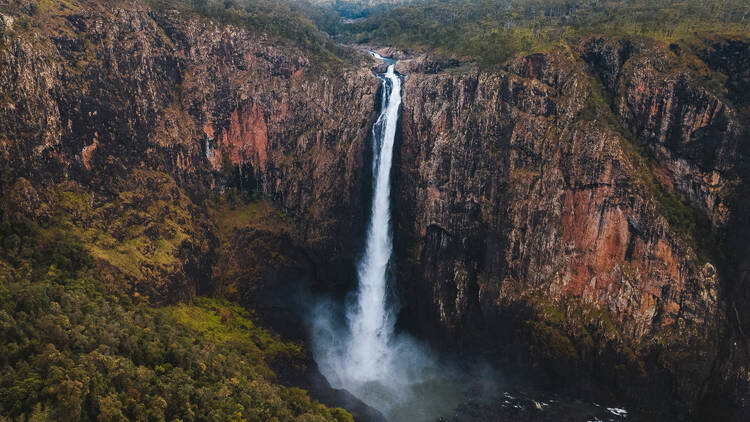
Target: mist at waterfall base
360,351
409,385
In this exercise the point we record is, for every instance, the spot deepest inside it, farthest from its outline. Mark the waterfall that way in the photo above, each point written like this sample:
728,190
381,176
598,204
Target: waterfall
391,372
370,322
356,345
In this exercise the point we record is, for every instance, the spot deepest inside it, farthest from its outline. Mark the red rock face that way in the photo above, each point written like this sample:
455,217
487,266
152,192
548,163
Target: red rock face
513,198
246,138
696,137
87,152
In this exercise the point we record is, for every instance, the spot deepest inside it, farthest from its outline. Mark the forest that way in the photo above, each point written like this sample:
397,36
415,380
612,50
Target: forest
491,31
486,31
72,349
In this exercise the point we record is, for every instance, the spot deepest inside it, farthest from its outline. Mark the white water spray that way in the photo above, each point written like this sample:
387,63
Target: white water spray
370,322
389,372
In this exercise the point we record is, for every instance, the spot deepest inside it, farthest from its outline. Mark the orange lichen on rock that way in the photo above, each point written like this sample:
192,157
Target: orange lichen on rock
88,152
606,253
298,73
209,131
600,239
246,138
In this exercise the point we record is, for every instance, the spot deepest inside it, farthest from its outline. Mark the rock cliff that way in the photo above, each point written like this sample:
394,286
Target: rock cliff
93,94
581,211
581,217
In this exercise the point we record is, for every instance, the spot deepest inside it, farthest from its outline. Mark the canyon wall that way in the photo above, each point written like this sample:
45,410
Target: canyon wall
580,211
92,94
573,209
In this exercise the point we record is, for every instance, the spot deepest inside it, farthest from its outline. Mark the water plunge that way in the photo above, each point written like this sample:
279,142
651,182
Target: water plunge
390,372
370,321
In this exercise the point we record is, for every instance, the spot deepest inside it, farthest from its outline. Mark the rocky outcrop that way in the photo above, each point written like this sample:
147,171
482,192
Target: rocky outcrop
606,57
687,105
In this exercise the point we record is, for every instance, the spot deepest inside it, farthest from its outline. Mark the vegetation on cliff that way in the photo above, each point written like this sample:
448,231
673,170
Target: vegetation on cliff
294,23
254,242
687,220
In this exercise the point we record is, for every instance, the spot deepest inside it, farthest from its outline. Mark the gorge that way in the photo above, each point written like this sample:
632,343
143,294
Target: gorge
572,218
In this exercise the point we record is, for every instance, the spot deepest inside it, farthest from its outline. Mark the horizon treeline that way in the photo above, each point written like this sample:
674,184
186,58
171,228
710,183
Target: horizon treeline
487,31
491,31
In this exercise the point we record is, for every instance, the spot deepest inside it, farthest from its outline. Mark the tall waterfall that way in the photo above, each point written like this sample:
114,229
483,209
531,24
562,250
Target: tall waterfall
390,372
370,322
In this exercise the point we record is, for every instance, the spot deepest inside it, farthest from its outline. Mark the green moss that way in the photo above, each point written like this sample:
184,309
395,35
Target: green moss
580,320
254,237
139,231
688,222
86,57
230,217
567,335
548,343
221,322
46,6
77,204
